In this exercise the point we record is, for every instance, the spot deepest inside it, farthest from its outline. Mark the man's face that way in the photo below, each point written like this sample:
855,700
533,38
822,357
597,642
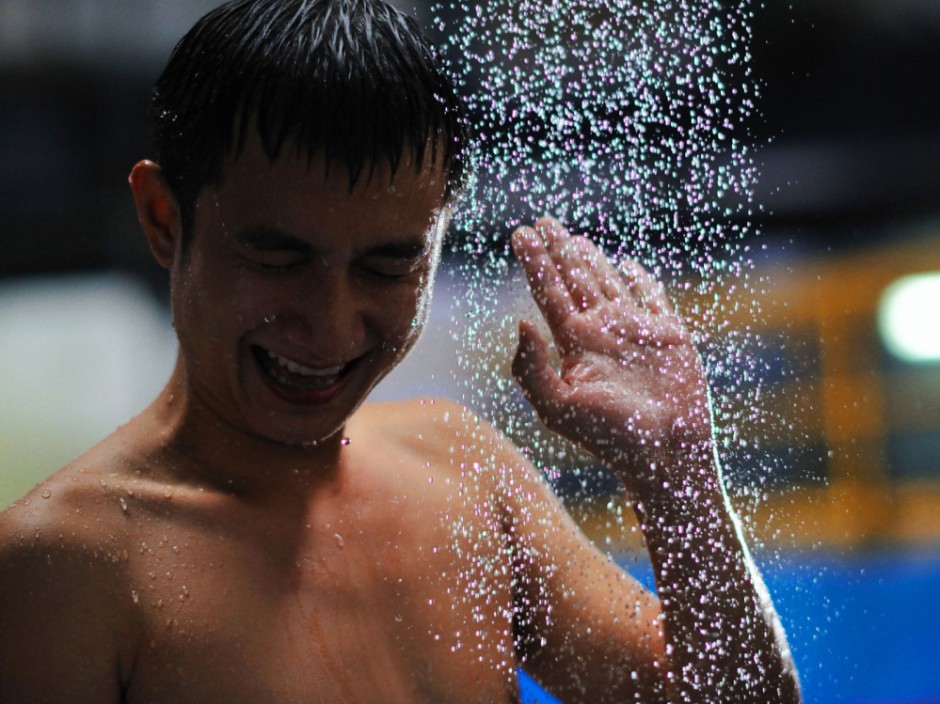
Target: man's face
296,296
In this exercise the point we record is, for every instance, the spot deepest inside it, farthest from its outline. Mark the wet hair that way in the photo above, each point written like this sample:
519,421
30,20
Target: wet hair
353,80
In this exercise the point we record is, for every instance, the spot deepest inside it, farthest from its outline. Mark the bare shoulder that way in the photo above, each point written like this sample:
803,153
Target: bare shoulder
62,564
440,427
78,507
461,443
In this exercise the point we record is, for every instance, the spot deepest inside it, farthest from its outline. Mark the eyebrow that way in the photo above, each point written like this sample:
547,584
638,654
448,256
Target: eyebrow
273,240
267,239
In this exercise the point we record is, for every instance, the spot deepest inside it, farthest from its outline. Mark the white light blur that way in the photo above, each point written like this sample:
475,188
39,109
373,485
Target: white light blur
79,355
909,317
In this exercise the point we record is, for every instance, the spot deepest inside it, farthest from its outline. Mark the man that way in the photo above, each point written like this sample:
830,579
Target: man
258,535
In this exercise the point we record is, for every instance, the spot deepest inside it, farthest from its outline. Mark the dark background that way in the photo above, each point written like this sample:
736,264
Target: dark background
849,131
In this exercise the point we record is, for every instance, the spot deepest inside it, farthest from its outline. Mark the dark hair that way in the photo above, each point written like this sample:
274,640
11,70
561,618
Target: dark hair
354,80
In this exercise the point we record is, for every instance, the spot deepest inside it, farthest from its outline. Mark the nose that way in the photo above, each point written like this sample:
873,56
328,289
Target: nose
329,315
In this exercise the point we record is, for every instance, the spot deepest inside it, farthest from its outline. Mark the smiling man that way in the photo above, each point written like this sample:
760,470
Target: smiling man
259,535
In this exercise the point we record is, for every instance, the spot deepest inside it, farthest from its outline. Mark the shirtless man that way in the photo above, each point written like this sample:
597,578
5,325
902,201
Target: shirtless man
257,535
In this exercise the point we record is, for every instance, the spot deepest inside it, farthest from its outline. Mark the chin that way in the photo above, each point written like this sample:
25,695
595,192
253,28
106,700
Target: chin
299,407
302,424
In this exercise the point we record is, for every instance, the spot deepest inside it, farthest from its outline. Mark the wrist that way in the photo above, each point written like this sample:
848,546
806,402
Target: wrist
681,467
696,509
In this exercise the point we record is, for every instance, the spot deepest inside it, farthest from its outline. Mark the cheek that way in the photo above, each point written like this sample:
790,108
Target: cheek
412,306
423,303
251,303
221,305
187,299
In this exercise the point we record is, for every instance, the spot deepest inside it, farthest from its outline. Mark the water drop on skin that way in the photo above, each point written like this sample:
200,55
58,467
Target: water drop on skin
46,494
340,543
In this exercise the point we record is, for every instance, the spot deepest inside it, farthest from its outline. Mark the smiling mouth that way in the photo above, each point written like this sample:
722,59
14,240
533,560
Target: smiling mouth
294,375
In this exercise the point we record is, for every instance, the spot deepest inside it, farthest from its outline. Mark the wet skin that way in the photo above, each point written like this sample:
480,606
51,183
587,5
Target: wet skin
286,265
229,544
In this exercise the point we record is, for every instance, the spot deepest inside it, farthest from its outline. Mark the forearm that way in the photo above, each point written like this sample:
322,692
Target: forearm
631,389
723,639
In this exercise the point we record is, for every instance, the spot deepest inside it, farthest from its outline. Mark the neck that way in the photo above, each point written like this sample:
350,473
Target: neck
195,445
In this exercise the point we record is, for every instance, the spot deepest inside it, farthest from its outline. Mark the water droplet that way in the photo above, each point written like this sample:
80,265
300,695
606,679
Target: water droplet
46,494
123,503
340,543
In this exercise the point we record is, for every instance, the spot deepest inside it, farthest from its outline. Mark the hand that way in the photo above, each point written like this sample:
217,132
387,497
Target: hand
631,388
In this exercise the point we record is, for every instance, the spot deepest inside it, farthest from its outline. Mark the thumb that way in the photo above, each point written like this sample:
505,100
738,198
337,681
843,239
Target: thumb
539,381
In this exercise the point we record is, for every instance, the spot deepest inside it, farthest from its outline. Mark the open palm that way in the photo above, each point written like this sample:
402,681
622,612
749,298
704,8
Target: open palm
631,388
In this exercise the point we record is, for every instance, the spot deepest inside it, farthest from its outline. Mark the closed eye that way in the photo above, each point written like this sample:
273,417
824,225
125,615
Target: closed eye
393,268
278,262
273,250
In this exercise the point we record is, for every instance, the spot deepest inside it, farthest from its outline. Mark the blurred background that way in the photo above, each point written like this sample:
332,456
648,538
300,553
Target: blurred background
846,306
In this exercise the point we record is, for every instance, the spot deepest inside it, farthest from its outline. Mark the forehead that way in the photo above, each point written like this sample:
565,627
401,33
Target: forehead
295,192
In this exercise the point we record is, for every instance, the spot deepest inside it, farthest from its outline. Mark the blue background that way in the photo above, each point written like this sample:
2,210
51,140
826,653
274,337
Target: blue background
863,628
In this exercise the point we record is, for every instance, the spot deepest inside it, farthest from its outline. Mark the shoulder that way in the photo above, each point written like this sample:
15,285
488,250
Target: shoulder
78,505
66,528
461,443
62,567
439,427
70,532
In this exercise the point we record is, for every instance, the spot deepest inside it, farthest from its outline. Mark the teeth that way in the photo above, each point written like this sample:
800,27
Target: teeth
295,368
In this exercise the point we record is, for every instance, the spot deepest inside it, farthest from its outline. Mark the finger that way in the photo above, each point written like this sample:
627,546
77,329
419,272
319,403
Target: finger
540,383
607,280
646,290
549,291
576,265
551,231
575,260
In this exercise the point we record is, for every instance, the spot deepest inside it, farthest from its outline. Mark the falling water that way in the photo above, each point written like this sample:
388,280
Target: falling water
621,118
630,122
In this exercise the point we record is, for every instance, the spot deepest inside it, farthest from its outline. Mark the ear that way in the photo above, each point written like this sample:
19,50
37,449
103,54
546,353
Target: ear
157,210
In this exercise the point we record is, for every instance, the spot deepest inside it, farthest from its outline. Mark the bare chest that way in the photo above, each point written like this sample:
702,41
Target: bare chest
404,602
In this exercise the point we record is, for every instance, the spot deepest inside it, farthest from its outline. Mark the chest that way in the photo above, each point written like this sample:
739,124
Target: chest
398,600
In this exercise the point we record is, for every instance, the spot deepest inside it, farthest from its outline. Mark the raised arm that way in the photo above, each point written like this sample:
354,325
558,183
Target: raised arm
631,389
